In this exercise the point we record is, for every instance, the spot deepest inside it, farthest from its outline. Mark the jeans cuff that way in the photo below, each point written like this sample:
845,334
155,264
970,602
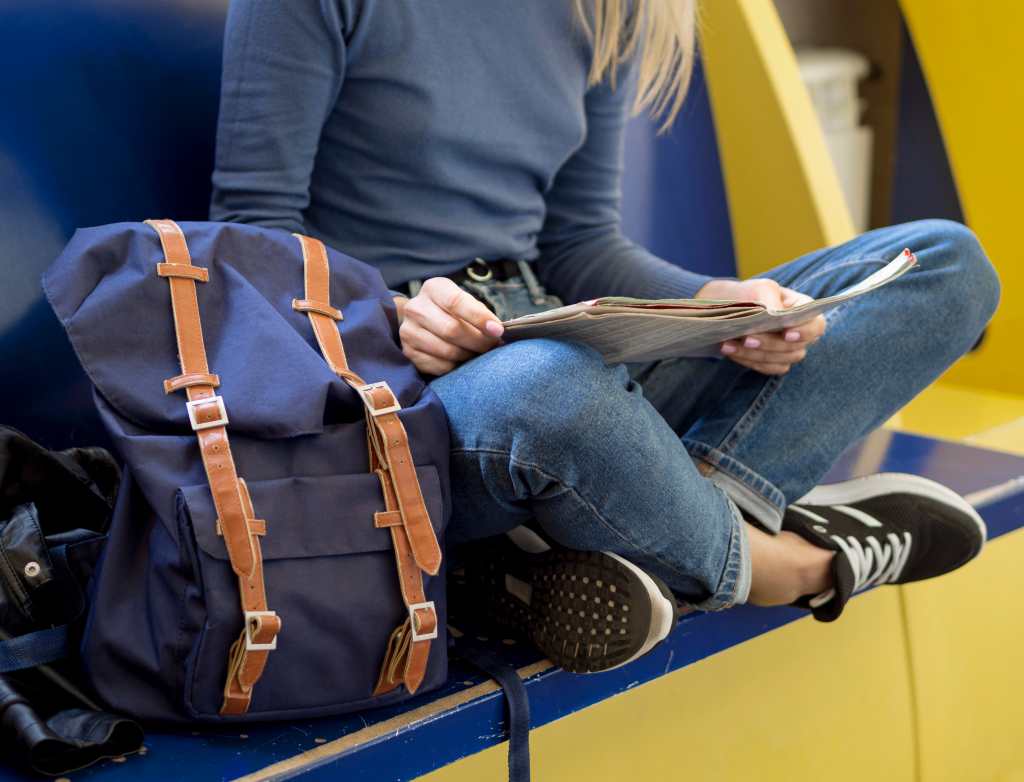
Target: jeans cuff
734,585
755,495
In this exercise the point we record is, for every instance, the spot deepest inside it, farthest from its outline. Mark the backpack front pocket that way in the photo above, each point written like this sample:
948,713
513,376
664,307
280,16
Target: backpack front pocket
330,575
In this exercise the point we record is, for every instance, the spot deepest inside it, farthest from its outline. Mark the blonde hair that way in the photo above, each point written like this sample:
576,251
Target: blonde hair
663,33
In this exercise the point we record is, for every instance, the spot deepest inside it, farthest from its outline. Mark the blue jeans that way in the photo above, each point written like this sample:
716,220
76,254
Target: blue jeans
659,462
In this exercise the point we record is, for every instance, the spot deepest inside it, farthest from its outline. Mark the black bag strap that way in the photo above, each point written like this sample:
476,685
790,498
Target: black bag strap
32,649
517,701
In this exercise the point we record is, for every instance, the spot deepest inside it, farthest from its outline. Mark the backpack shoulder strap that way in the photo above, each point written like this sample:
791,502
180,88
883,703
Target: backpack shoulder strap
208,417
412,535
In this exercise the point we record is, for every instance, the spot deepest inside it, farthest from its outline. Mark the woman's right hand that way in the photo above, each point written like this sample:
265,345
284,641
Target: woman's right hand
444,326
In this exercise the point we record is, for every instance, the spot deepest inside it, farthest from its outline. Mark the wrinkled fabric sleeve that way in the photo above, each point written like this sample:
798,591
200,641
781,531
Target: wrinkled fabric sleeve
583,253
284,63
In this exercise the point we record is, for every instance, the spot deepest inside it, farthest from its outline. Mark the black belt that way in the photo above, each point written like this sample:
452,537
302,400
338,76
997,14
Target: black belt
485,271
477,271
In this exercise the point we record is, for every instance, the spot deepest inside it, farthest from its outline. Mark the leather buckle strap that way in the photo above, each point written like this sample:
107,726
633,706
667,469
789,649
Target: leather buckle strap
260,628
416,624
253,626
235,516
391,444
198,413
372,396
412,535
408,650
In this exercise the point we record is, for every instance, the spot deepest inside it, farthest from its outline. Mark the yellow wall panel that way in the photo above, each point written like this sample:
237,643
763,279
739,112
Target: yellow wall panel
805,702
783,192
974,64
966,637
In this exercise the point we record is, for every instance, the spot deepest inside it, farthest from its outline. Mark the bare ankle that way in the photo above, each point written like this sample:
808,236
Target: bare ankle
812,564
786,567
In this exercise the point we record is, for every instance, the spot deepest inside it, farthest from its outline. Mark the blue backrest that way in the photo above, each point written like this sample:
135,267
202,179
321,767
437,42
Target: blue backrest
109,115
109,111
674,200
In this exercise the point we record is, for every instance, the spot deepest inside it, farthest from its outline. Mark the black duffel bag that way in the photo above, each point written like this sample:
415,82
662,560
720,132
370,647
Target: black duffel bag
54,511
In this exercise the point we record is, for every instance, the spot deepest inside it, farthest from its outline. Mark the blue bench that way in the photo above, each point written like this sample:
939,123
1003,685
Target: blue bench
109,115
467,716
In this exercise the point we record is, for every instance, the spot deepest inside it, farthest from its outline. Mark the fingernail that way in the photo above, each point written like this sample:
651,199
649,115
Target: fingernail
792,336
751,342
494,328
728,349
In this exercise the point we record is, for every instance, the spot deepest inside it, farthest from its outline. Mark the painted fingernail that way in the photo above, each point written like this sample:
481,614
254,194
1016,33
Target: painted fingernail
494,328
751,342
792,336
728,349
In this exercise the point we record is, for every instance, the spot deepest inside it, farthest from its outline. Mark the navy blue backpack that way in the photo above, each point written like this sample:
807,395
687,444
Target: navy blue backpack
295,569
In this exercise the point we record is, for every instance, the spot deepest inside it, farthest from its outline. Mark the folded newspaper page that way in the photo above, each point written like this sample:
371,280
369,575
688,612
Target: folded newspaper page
625,330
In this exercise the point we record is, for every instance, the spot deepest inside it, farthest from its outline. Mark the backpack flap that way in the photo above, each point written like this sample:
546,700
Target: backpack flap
115,308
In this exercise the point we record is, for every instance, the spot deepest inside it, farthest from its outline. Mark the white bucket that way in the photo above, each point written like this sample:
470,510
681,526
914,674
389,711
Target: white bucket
832,77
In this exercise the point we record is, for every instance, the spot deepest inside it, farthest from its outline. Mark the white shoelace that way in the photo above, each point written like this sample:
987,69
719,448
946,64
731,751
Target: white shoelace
874,561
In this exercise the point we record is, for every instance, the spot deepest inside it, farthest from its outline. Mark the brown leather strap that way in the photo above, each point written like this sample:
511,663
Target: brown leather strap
415,544
208,417
184,381
305,305
382,408
398,460
391,518
408,652
187,271
248,655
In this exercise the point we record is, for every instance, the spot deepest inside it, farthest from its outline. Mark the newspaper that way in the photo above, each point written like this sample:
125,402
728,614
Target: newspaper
627,330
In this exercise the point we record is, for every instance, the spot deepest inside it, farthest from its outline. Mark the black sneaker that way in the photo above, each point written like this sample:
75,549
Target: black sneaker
587,611
885,529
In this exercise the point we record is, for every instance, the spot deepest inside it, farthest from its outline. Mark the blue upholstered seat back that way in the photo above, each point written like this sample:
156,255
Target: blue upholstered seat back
109,110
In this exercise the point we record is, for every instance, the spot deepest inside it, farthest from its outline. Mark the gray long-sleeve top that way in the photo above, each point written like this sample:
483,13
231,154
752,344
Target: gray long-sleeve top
417,135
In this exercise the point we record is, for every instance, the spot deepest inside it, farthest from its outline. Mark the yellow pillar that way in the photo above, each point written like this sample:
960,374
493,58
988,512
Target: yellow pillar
783,191
974,65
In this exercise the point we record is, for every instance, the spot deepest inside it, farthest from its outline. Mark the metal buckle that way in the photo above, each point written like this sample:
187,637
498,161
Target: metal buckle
412,621
250,645
222,420
364,392
478,276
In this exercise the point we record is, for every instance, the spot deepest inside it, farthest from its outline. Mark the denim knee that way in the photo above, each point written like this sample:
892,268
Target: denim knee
543,388
970,285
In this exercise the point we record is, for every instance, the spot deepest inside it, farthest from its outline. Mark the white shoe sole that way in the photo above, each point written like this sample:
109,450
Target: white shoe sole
662,611
859,489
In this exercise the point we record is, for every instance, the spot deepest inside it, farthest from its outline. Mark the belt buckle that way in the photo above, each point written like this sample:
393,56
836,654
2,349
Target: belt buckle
364,392
479,276
427,606
250,645
197,425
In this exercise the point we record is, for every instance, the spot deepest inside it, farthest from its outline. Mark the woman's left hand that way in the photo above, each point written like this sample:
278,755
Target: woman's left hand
772,353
